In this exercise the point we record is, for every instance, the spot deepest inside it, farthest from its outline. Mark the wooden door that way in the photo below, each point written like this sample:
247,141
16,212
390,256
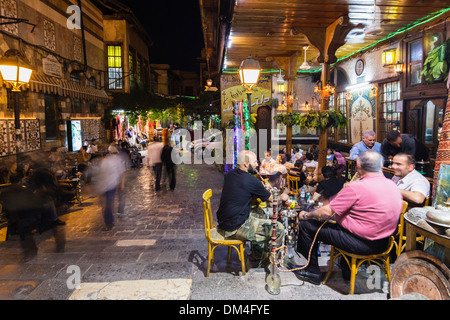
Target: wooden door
263,121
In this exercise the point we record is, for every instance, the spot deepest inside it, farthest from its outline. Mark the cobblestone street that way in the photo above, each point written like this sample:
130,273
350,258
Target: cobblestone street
156,250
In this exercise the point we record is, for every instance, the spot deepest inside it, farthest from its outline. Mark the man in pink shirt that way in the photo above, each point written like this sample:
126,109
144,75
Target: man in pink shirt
367,212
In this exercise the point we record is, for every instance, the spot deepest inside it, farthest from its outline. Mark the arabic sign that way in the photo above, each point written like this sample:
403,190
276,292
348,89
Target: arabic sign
232,91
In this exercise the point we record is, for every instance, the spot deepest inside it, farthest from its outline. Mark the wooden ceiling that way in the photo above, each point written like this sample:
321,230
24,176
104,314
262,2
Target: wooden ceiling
276,28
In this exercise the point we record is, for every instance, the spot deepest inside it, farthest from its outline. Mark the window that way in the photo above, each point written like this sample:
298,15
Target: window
415,57
331,131
92,107
390,108
92,83
51,127
75,77
342,106
115,80
138,70
75,105
131,62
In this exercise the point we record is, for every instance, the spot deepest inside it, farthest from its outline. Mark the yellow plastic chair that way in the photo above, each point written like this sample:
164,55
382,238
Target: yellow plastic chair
293,184
354,261
400,244
215,239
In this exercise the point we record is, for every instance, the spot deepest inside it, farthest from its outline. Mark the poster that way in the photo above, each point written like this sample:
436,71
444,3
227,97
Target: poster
76,135
361,113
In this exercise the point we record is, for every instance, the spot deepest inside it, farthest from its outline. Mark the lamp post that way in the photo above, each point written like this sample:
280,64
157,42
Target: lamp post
15,70
249,72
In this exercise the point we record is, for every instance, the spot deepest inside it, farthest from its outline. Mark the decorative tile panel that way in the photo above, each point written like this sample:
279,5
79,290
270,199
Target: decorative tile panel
49,35
9,9
31,137
77,49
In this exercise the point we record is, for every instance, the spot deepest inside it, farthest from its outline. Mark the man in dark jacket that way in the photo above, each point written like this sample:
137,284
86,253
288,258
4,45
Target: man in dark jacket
396,142
234,216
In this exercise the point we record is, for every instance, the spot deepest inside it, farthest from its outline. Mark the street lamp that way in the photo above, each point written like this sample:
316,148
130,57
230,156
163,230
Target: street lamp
16,71
249,73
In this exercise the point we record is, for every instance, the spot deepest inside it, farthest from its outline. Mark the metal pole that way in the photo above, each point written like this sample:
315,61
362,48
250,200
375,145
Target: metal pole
17,126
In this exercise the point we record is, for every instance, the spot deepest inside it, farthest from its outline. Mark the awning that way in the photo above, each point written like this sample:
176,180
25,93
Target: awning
82,92
51,85
43,83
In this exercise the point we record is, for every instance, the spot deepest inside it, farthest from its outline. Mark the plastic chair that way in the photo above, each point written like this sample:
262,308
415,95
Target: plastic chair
401,244
215,239
293,184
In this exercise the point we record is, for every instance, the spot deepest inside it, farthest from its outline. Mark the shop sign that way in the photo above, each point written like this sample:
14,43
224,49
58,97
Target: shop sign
51,66
232,91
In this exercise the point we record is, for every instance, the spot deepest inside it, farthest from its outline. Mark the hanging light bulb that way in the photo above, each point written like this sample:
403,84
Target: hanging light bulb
305,65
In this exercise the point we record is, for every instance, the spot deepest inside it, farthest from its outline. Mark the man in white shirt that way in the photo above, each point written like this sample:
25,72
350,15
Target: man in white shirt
297,154
413,186
267,165
153,159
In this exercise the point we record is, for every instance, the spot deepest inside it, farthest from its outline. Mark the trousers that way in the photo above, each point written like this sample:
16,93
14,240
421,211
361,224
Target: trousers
259,231
336,235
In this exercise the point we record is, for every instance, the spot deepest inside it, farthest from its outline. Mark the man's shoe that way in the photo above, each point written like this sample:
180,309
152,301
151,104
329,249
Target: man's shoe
314,278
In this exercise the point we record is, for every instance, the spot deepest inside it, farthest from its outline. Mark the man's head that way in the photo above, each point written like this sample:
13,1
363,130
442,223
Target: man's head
369,138
309,156
275,178
298,163
368,162
267,155
403,164
328,172
247,161
394,138
296,149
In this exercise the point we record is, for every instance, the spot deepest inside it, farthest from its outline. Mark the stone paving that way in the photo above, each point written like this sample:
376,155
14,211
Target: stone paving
156,250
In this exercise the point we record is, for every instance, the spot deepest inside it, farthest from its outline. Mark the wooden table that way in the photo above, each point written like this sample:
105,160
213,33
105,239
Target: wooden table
412,230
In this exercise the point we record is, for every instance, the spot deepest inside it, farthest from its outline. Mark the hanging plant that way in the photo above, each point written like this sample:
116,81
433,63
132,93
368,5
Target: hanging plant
313,119
435,67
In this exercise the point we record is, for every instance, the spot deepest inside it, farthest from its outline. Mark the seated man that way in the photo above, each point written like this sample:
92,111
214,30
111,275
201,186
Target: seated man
368,142
329,186
413,186
366,213
267,165
234,218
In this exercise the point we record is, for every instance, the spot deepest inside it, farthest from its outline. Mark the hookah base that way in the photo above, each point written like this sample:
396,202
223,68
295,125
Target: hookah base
273,284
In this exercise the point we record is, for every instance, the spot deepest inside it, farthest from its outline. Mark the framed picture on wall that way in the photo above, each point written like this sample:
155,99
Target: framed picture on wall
359,67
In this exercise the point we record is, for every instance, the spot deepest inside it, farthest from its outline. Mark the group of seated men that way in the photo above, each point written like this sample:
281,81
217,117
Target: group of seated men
366,211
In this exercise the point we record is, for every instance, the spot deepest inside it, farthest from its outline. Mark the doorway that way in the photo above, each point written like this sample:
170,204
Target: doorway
423,119
263,121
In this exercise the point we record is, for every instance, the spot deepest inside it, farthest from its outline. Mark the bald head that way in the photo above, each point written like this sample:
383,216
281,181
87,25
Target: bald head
369,161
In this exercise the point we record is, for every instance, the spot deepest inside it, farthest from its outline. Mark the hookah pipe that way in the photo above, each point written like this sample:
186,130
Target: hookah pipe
275,263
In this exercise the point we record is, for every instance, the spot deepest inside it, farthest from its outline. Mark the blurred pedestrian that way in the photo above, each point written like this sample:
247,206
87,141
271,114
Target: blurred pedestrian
166,158
111,179
153,159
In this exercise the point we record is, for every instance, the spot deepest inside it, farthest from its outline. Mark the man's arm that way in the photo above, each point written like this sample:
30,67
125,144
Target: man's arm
320,214
415,197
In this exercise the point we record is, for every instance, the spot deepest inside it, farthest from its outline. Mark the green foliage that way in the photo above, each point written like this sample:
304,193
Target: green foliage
435,67
314,119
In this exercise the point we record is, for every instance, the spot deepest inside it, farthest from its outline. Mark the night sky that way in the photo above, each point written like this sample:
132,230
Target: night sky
175,29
